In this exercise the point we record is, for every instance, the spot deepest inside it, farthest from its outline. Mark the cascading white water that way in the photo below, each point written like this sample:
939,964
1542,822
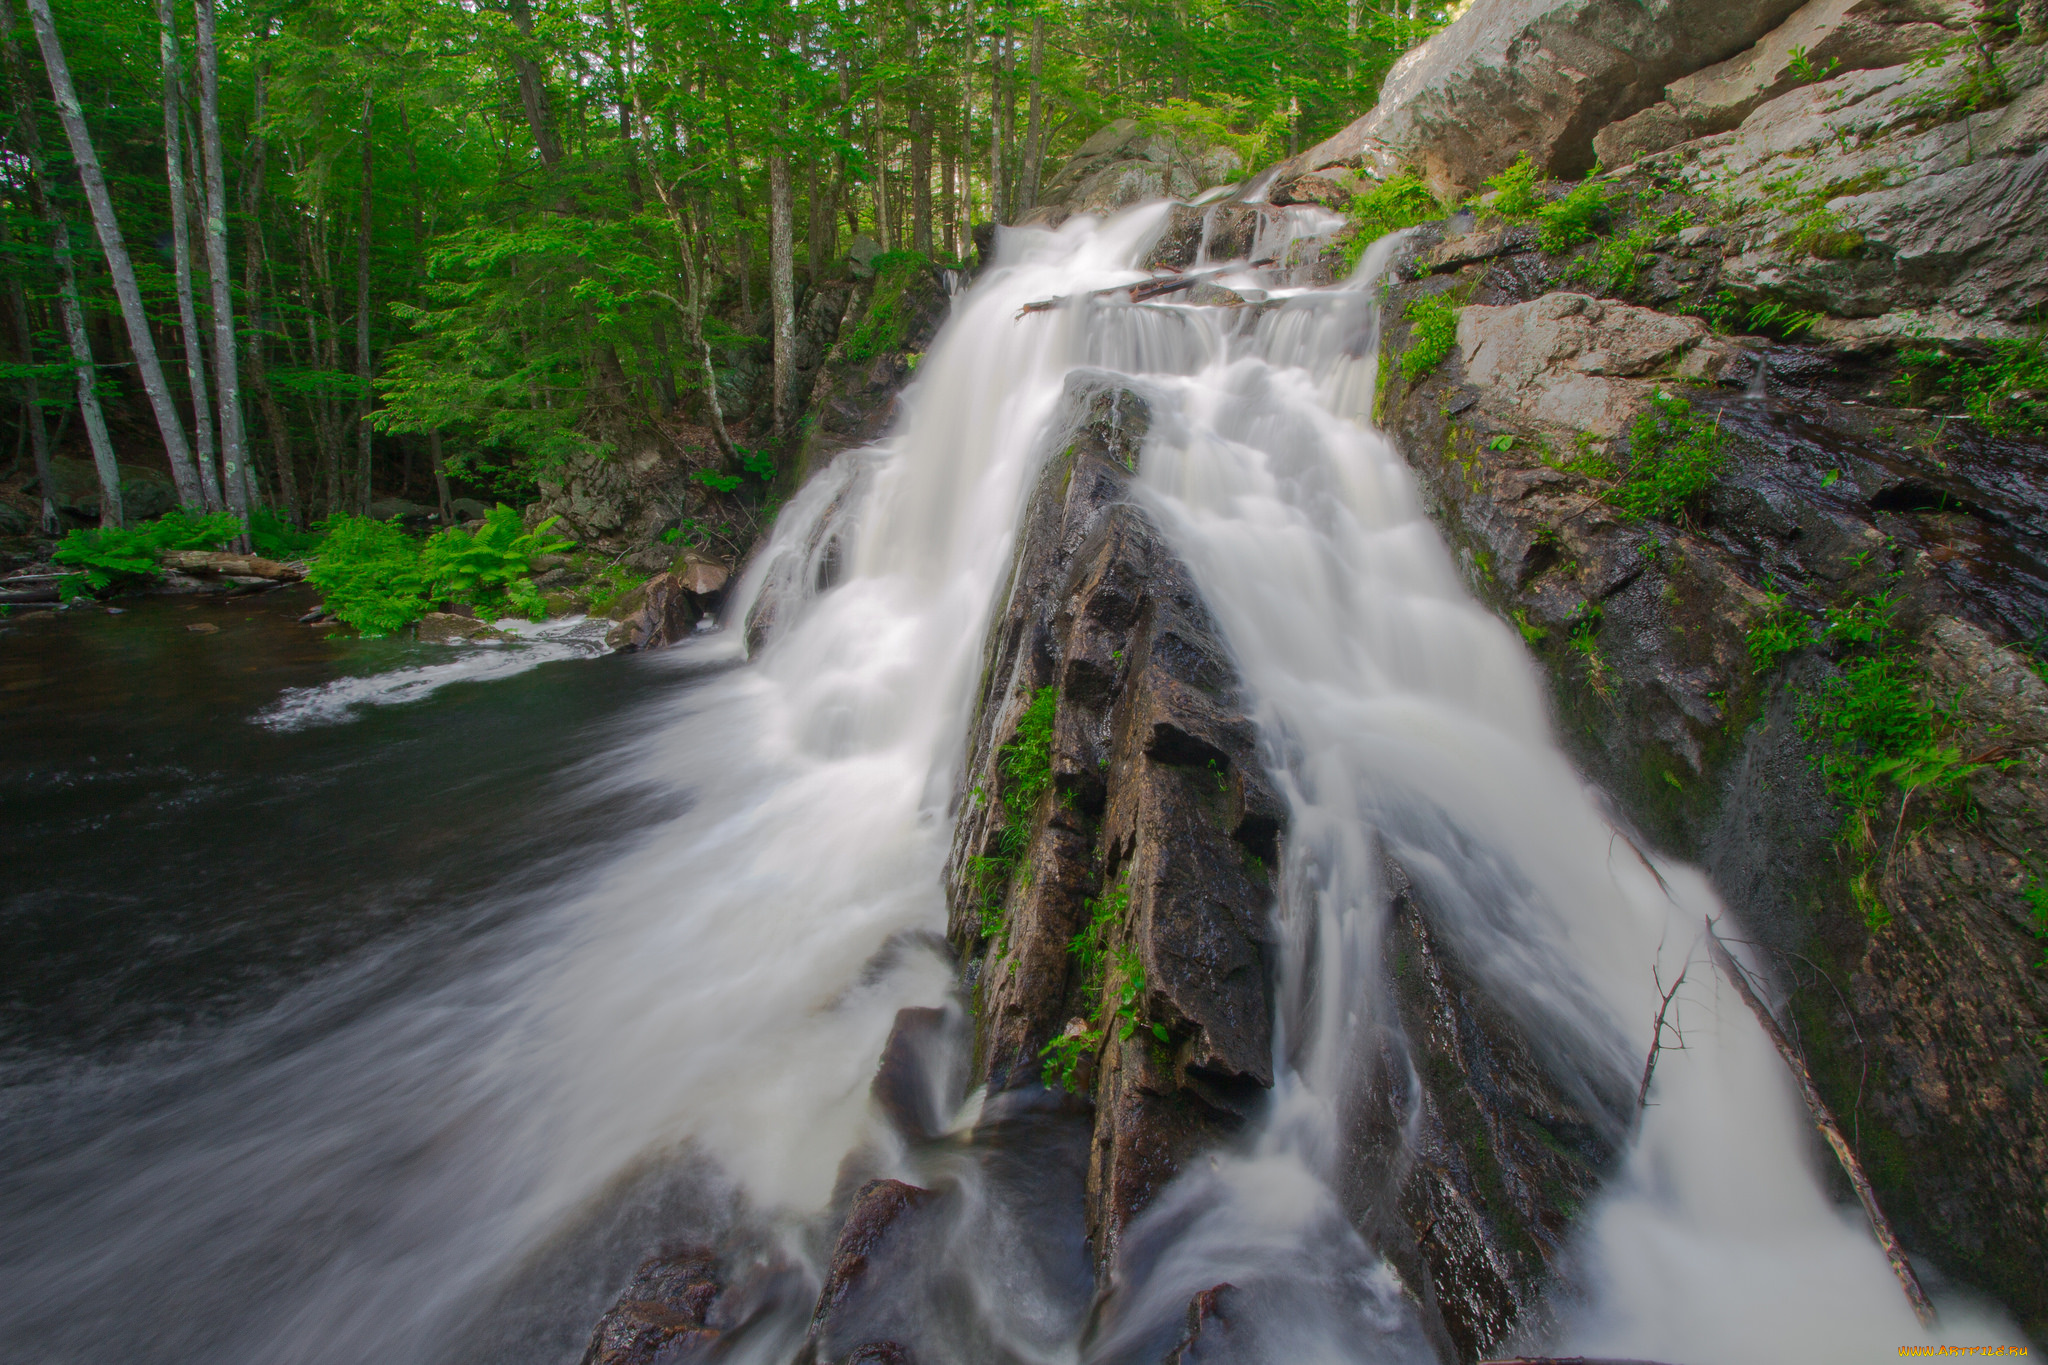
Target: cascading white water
717,995
1402,717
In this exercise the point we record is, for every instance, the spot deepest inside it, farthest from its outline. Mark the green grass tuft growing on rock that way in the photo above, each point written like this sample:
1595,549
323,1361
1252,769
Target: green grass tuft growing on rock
1026,769
1576,218
1434,335
1674,458
1782,629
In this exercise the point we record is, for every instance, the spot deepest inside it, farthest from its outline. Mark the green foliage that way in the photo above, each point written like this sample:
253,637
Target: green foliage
1064,1055
489,568
1820,234
2036,896
759,463
1198,124
369,575
1026,769
1674,458
108,557
715,481
1782,629
1575,218
1874,730
375,577
1397,202
274,538
1775,317
886,324
2004,390
1434,335
1515,189
1975,83
1803,68
1104,970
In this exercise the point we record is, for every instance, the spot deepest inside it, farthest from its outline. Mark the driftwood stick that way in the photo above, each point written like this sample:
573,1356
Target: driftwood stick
1657,1037
1880,1226
1563,1360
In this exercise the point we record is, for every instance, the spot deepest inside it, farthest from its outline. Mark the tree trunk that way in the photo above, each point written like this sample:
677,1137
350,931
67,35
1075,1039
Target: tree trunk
140,342
70,309
818,235
32,414
533,90
1034,137
440,476
782,284
233,445
181,255
921,178
967,140
363,325
287,478
997,206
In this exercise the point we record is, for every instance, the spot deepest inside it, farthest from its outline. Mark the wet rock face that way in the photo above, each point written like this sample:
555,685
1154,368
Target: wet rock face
1156,807
696,1305
1476,1207
1905,950
866,358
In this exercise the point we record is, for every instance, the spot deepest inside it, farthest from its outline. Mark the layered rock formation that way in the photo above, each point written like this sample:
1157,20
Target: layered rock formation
1904,940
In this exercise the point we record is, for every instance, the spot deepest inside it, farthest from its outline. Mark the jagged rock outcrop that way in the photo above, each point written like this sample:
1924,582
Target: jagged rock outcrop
1541,76
1868,199
885,321
1157,822
1823,36
1903,942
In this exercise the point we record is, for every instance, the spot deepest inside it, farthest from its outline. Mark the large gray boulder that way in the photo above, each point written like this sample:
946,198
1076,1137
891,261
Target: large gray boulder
1541,76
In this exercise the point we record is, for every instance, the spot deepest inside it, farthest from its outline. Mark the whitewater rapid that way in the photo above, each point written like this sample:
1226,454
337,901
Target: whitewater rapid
676,1040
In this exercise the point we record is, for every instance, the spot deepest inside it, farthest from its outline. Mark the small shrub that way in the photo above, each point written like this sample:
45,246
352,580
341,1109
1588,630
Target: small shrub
1775,317
1674,458
1515,189
2005,390
1397,202
1874,731
1782,629
1434,335
1064,1055
274,538
488,568
369,575
1571,220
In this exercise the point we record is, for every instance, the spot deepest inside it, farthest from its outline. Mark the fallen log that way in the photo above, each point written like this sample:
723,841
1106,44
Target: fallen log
1824,1120
39,594
220,563
1141,290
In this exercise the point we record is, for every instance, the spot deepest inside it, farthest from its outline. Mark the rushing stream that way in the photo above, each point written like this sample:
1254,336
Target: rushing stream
342,1032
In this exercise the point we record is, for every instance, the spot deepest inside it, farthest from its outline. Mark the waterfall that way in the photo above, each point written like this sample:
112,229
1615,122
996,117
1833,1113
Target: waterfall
686,1030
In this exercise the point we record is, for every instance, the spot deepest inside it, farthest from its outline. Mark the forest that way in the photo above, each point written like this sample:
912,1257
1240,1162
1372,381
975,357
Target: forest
308,255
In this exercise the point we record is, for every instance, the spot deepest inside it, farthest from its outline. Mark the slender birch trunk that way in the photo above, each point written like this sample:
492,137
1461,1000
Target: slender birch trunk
226,368
181,254
363,324
70,309
169,425
782,284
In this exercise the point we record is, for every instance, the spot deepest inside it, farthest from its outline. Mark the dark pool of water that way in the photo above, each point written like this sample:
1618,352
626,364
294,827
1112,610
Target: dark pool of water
238,958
